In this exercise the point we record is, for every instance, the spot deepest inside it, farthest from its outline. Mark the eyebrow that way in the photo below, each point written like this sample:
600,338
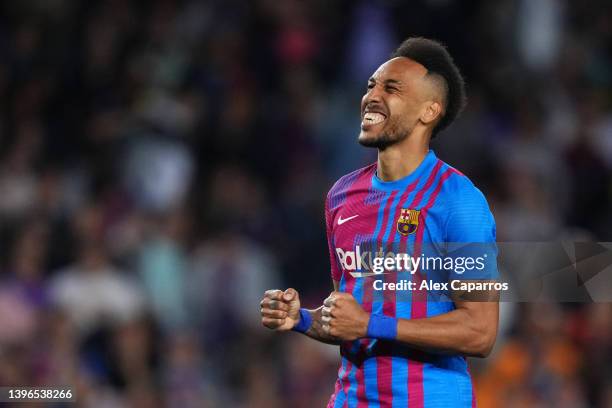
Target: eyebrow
387,82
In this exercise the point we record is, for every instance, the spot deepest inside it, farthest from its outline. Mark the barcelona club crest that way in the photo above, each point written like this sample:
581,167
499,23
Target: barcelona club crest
408,221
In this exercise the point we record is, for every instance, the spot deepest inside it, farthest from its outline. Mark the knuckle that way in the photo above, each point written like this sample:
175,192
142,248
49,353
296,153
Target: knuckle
272,294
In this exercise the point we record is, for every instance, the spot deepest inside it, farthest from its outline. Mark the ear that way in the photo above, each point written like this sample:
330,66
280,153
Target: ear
432,112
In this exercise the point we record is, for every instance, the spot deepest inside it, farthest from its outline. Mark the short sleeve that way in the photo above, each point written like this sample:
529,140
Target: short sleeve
470,234
469,218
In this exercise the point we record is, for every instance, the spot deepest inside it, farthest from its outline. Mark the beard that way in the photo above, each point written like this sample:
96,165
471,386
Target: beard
386,137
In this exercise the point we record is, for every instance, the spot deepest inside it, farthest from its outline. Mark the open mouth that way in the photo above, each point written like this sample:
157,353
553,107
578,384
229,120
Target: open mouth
372,118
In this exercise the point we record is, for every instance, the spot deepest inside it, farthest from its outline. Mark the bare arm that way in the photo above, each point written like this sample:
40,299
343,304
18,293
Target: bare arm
470,329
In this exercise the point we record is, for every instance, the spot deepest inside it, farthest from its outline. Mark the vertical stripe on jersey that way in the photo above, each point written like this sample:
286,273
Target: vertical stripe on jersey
428,379
384,371
398,365
387,306
351,398
341,394
337,389
419,305
368,380
419,298
350,387
368,385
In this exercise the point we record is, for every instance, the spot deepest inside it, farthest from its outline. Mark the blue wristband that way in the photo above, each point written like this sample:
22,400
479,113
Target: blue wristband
382,327
305,321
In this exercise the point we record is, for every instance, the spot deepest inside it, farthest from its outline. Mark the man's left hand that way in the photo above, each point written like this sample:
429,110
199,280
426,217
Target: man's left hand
343,317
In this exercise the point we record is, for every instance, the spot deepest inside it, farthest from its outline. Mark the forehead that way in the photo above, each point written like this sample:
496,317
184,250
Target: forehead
400,69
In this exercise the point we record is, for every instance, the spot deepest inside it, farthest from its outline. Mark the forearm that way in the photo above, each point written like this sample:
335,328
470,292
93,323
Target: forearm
457,331
316,329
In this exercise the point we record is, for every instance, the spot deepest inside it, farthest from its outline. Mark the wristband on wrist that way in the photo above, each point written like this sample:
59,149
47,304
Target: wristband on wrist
305,321
382,327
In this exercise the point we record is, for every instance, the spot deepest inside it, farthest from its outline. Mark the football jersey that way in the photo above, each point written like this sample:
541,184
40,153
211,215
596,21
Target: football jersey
368,221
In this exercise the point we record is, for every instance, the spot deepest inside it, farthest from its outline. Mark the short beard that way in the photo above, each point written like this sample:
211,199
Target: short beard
386,139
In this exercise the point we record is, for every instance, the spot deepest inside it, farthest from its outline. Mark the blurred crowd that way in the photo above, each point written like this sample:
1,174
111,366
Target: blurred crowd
162,163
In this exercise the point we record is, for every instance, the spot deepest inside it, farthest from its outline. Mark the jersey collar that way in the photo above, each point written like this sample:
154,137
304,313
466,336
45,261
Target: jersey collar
423,168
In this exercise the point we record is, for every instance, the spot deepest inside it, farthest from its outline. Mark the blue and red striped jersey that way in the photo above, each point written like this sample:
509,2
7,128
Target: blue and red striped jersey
369,219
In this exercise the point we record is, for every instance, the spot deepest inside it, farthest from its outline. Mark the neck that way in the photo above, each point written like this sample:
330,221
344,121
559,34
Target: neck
401,159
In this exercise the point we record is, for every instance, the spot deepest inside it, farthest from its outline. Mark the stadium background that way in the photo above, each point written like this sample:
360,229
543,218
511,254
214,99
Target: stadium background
162,163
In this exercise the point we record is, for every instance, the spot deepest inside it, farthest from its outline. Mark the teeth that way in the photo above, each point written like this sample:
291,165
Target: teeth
373,118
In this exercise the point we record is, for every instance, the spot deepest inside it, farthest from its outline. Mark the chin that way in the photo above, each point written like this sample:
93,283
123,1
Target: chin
369,140
369,135
365,140
380,140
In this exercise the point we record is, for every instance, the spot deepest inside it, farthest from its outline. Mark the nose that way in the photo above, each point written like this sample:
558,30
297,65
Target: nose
373,95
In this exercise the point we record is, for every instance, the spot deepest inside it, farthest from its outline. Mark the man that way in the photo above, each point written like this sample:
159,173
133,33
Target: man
403,347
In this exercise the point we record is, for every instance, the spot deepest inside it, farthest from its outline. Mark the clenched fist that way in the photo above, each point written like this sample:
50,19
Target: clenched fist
343,317
280,310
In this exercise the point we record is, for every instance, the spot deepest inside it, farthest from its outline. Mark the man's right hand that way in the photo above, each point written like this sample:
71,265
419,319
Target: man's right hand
280,310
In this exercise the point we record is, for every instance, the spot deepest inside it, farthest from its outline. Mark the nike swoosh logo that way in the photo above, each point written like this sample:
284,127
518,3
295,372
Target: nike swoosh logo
342,221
